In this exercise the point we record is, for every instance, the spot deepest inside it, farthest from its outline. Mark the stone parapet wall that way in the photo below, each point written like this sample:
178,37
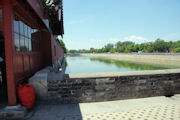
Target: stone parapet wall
114,86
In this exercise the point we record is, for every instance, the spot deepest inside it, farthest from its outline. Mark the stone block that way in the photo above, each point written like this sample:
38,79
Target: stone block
102,81
13,112
39,83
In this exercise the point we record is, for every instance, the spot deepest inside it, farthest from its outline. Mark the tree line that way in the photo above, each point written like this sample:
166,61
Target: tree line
158,45
63,46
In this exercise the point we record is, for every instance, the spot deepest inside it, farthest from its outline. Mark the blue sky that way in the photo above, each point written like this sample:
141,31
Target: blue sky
94,23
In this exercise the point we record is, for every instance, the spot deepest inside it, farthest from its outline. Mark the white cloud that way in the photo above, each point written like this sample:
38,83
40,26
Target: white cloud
136,39
133,38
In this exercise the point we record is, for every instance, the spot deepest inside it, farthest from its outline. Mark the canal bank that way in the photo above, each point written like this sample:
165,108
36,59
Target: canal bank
164,59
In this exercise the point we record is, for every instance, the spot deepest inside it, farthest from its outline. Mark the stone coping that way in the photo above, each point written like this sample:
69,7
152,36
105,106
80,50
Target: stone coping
130,73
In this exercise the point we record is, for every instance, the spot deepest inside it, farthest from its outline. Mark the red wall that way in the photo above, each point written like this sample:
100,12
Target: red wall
25,64
1,25
59,52
46,47
49,43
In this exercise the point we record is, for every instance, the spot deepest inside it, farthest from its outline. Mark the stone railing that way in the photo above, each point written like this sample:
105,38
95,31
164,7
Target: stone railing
113,86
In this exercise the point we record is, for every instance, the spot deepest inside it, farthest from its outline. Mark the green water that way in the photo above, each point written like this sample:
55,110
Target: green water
84,64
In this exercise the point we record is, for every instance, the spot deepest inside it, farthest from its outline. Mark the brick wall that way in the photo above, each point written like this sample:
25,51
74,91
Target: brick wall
94,89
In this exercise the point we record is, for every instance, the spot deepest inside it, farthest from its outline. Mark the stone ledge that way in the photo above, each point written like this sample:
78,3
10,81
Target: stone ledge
118,74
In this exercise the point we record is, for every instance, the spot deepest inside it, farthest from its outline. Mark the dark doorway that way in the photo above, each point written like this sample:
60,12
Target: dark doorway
3,82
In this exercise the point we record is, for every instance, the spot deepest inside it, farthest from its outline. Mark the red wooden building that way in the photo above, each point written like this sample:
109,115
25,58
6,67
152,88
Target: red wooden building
28,39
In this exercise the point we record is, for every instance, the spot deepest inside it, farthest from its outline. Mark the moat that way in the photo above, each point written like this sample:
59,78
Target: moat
87,64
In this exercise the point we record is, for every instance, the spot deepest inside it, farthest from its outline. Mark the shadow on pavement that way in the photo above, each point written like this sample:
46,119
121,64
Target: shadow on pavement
55,112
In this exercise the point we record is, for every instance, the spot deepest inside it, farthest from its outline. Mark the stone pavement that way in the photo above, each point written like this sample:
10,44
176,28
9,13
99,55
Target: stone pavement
153,108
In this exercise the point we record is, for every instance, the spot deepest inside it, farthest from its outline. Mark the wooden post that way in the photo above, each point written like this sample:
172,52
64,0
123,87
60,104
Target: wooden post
9,50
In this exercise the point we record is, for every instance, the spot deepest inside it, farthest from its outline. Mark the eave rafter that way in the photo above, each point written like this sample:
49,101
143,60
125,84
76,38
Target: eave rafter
52,9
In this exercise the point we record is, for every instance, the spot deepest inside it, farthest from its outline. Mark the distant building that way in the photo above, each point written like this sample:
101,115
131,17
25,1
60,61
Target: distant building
28,32
173,51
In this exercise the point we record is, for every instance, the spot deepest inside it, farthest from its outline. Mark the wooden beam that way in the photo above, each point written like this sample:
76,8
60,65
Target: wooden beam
25,11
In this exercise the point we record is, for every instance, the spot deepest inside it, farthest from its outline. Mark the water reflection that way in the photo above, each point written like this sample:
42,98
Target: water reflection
87,64
125,64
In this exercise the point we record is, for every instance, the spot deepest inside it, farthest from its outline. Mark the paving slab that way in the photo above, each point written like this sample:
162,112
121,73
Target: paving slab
153,108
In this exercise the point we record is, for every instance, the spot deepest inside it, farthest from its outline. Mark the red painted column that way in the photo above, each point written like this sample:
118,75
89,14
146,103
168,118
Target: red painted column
9,50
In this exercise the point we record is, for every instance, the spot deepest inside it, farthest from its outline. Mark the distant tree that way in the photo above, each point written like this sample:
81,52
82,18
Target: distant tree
129,49
120,49
142,47
175,44
149,47
128,46
127,43
92,50
73,51
112,50
108,47
63,46
177,49
136,48
118,44
160,46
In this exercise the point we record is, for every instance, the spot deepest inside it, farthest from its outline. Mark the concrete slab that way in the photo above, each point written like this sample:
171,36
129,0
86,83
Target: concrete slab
55,76
160,108
130,73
